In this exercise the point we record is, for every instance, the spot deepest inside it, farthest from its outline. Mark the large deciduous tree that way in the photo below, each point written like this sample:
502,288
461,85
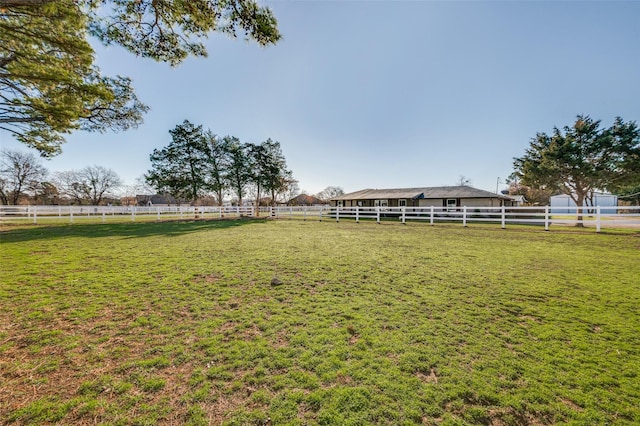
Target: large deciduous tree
90,185
330,192
20,173
581,159
49,83
179,168
46,193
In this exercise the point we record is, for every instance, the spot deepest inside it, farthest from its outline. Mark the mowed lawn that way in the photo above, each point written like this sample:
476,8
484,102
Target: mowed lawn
179,323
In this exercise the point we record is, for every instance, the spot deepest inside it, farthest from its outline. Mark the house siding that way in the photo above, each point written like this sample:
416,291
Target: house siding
432,202
479,202
423,197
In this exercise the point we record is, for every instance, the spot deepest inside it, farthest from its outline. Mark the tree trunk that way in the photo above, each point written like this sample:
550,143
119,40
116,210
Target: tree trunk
258,200
579,204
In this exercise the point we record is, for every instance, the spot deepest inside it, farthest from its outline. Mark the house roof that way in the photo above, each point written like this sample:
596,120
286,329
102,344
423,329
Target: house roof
306,199
156,199
420,193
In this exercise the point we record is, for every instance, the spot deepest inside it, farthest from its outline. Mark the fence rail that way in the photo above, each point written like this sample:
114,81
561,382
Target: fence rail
597,217
39,214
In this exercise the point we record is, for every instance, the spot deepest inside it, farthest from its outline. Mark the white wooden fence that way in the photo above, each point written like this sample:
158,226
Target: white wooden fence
39,214
618,217
597,217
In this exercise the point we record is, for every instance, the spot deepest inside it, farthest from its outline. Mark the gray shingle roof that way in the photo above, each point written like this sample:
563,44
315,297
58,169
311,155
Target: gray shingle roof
419,193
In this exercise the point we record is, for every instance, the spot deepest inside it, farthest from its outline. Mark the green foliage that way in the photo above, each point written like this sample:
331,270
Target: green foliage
169,31
197,163
217,163
179,168
49,84
630,194
238,173
581,159
268,169
48,81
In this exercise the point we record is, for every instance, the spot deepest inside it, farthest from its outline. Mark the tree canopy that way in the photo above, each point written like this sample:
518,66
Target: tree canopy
20,173
179,168
49,83
90,184
580,159
330,192
197,163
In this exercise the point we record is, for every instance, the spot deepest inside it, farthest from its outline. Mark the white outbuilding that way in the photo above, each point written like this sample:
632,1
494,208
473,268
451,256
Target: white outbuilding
563,204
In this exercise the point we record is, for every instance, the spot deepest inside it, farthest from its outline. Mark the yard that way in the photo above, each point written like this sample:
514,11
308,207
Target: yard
181,323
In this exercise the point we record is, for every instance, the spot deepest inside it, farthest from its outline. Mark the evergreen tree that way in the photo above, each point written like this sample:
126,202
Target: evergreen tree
581,159
179,168
217,165
239,174
49,83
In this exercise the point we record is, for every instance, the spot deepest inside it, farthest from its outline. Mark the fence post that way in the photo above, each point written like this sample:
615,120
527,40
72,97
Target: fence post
431,220
546,218
59,211
35,214
133,214
464,216
321,211
378,214
357,214
503,219
103,216
598,219
337,213
304,213
71,214
403,215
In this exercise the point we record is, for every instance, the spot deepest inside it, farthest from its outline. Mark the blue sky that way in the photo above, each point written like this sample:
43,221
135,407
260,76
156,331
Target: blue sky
387,94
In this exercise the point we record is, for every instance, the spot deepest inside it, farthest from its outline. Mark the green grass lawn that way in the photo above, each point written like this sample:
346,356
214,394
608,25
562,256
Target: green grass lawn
178,322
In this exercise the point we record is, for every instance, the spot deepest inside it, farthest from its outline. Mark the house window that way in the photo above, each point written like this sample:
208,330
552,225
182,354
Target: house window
402,203
451,204
381,203
359,203
340,203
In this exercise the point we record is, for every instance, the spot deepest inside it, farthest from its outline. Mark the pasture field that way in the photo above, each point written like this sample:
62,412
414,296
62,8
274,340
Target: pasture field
181,323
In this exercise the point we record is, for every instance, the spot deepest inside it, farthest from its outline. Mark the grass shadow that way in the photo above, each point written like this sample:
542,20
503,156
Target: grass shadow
126,230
